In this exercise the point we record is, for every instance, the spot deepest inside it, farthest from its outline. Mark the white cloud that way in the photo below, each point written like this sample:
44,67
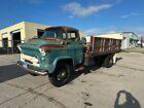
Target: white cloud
131,15
77,10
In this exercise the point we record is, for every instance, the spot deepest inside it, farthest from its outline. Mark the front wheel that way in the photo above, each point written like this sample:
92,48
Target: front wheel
62,75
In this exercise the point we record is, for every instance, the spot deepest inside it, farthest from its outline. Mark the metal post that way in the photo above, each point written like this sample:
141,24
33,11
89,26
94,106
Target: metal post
12,43
141,42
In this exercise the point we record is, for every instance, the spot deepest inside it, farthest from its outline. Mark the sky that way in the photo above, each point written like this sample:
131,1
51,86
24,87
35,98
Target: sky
90,16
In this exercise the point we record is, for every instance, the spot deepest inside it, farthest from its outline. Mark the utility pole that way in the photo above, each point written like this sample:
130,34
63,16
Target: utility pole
141,42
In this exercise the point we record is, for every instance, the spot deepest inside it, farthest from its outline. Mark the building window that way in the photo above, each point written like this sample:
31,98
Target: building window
40,33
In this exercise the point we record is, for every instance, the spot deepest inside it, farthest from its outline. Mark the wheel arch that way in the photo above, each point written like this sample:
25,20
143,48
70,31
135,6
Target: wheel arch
65,59
61,64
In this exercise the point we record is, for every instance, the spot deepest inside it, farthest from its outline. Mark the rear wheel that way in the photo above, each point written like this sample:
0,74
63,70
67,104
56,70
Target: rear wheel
99,61
62,74
108,62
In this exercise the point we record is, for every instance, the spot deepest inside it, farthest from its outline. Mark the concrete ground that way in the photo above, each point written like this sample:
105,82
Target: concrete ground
121,86
137,49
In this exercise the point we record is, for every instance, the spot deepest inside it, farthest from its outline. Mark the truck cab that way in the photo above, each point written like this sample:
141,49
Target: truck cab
55,53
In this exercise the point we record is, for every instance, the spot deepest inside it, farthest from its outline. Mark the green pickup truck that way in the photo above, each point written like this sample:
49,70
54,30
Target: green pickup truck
60,51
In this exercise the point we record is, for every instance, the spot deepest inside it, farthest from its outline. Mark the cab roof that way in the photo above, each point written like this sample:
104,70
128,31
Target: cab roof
62,28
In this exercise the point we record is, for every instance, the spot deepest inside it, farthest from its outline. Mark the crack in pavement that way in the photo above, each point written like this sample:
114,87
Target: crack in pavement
101,72
135,69
50,99
19,87
32,91
29,101
21,94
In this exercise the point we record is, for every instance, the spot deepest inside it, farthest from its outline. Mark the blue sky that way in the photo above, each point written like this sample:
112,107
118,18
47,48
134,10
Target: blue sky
91,16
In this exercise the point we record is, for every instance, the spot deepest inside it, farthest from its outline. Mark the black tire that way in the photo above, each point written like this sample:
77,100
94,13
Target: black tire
108,62
99,61
62,74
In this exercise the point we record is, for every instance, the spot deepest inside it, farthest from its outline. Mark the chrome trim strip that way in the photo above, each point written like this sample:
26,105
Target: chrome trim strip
32,71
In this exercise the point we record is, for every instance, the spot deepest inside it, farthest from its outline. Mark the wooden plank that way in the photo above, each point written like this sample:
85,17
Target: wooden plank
104,45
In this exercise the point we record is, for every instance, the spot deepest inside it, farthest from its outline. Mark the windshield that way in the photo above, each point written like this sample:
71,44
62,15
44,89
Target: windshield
72,35
54,34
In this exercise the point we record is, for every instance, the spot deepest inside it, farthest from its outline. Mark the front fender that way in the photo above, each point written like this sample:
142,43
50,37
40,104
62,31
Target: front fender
52,67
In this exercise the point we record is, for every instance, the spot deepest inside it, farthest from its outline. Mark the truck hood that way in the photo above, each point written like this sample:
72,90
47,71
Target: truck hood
31,47
40,42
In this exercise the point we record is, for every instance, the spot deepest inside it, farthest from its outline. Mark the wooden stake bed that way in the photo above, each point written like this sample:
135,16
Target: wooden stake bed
104,44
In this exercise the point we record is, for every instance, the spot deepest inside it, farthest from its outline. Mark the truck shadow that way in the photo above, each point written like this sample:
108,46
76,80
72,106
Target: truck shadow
10,72
129,101
118,59
96,66
86,71
89,69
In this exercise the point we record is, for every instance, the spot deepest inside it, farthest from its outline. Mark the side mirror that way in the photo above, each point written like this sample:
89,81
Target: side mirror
67,42
83,40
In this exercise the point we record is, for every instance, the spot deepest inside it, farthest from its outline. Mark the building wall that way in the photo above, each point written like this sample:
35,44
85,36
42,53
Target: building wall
31,29
0,40
9,30
125,43
27,30
130,40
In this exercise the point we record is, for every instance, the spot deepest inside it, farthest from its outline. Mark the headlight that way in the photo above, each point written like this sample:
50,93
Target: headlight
43,53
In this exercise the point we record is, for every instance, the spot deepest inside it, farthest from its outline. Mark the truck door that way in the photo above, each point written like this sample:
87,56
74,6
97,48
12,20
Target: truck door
75,48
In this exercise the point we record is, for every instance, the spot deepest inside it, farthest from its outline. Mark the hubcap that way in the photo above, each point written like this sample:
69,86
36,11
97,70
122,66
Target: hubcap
62,75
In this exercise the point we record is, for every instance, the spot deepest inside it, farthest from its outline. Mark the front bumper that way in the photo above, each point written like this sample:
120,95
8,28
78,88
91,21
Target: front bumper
31,68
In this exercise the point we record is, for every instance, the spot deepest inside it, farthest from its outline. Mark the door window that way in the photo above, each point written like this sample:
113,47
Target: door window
71,35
